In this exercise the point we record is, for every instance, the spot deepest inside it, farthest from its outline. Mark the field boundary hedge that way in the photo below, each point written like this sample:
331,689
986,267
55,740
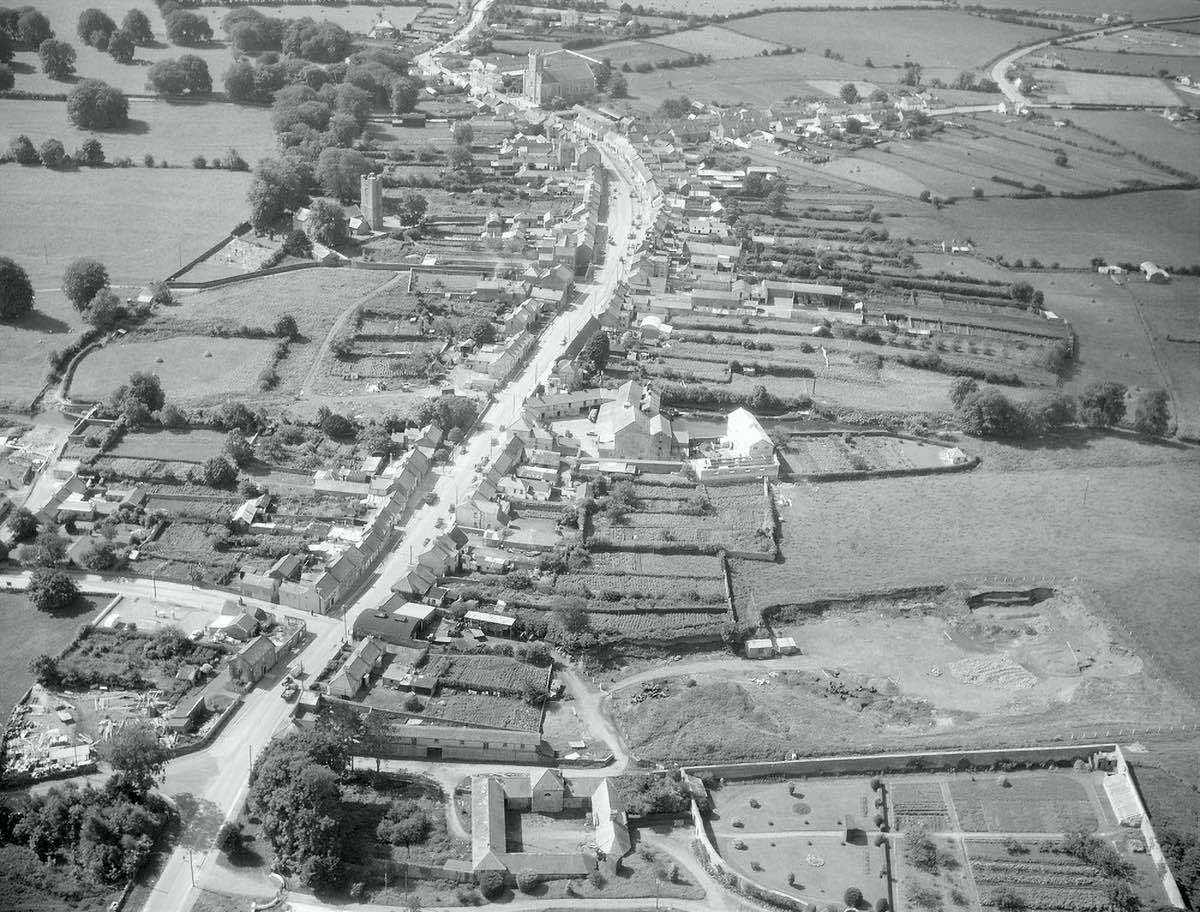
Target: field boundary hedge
892,473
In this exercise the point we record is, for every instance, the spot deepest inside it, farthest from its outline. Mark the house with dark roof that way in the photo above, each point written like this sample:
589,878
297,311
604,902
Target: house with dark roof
253,660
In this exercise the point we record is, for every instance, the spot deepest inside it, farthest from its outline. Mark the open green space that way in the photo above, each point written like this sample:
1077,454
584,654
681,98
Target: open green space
26,633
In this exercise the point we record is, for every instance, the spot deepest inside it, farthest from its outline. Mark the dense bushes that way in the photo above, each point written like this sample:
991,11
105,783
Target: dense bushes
759,401
98,836
933,362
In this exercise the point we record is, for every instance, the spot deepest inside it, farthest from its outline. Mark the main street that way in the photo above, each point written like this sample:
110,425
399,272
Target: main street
215,778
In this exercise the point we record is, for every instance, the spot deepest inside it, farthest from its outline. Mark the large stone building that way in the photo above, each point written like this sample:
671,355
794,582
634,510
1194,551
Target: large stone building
558,78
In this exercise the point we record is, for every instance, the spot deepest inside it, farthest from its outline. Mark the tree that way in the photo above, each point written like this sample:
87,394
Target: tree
594,355
1102,404
853,897
237,448
323,42
121,47
405,823
960,389
188,29
52,153
136,25
217,472
285,327
92,23
618,86
491,883
405,92
849,93
91,153
95,105
83,279
327,224
58,58
463,133
460,158
278,185
171,416
22,151
1050,412
527,881
7,79
16,291
187,75
230,839
572,616
240,81
1007,900
23,525
674,108
105,310
338,171
137,756
777,201
412,208
338,427
1151,412
33,28
51,590
297,244
46,671
989,413
101,556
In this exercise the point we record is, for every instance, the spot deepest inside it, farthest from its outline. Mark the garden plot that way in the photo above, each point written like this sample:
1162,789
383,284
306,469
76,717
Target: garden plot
1069,87
638,563
195,368
756,808
1026,803
918,805
837,453
487,673
822,867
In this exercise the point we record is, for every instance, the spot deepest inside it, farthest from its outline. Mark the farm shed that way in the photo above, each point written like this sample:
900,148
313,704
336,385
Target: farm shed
494,624
762,648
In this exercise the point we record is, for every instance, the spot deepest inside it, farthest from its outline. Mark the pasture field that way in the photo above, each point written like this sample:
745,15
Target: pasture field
1129,64
1163,226
173,132
759,80
142,223
738,7
93,64
1004,159
1068,87
1170,315
1140,9
26,633
26,344
193,368
944,43
637,52
1127,530
718,42
1144,41
1145,132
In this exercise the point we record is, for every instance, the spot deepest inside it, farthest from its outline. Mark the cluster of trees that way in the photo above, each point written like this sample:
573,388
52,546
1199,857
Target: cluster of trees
85,283
97,29
184,28
53,154
1102,404
185,75
674,108
95,836
450,413
295,790
138,400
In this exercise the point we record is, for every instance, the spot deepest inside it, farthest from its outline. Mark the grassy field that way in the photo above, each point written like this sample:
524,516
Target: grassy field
1068,87
1163,226
1140,9
26,633
1144,41
718,43
1128,530
1170,314
734,7
944,43
172,132
142,223
1129,64
1145,131
27,344
192,367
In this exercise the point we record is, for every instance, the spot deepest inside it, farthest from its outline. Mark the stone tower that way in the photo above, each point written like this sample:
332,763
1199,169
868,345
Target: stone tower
370,190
